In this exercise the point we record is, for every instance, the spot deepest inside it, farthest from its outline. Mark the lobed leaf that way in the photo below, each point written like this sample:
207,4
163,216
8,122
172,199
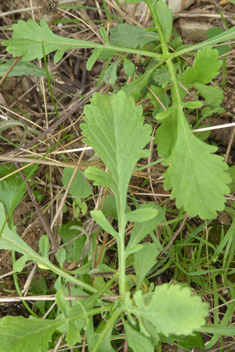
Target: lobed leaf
29,38
171,310
115,130
201,72
21,334
212,95
197,178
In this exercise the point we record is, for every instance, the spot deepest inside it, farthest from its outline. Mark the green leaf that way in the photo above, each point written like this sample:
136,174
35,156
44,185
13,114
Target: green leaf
131,36
161,75
137,341
79,187
145,259
73,250
44,246
17,333
104,34
13,187
134,88
223,37
72,328
186,342
220,330
28,37
197,178
20,263
21,68
162,96
165,18
212,95
110,209
11,241
133,250
172,309
92,59
192,104
162,115
115,131
100,177
222,49
141,215
128,67
140,230
99,217
231,172
61,256
201,72
110,76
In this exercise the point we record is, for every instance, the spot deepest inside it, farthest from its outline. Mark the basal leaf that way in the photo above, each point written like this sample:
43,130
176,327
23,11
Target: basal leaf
140,230
202,72
79,187
131,36
172,310
137,341
165,18
28,37
145,259
212,95
21,334
115,130
197,178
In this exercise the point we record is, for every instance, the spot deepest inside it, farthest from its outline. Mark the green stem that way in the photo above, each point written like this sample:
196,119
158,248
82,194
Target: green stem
154,14
121,261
